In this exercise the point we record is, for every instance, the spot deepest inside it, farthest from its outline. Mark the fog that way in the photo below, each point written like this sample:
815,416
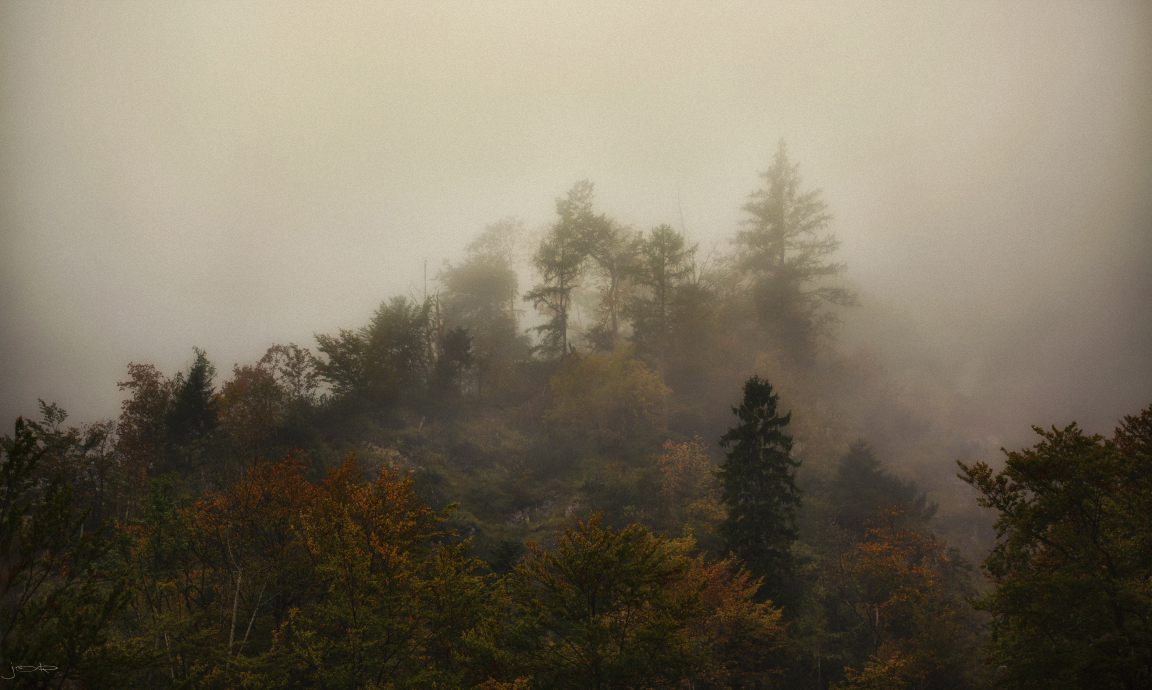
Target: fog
230,176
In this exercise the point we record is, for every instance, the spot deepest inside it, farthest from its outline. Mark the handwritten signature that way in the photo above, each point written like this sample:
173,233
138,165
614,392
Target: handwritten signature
28,669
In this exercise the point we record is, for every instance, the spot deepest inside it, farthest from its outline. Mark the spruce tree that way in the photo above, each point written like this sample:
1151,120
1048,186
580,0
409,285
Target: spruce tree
758,488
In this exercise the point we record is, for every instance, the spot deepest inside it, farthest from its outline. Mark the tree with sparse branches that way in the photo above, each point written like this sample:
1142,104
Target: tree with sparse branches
560,260
613,251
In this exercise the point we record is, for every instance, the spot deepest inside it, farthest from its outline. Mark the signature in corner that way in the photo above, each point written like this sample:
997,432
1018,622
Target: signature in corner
28,669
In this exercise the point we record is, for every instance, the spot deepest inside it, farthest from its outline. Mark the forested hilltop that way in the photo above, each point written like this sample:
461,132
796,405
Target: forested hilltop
647,466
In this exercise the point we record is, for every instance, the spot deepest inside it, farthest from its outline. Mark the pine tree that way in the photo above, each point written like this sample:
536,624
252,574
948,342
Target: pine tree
758,487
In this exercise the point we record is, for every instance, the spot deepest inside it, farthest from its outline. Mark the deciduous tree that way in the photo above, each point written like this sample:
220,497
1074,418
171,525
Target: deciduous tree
1073,558
57,602
612,400
560,260
613,251
391,354
624,608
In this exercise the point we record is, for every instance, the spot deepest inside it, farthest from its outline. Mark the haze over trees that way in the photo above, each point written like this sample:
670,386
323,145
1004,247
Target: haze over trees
446,496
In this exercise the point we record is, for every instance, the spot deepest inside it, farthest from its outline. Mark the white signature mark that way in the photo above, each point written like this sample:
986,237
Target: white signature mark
28,669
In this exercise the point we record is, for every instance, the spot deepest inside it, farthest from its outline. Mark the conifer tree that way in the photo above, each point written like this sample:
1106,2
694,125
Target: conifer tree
193,410
758,488
783,254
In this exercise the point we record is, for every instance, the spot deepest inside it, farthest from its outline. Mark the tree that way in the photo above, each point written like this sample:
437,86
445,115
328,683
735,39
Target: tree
456,357
142,429
627,609
499,244
86,460
783,254
251,405
613,250
689,490
294,369
612,400
278,582
392,596
193,412
391,354
57,603
663,269
560,260
914,628
861,488
480,293
758,488
478,290
1073,558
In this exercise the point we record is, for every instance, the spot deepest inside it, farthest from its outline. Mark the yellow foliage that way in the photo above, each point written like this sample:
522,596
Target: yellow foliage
690,492
608,399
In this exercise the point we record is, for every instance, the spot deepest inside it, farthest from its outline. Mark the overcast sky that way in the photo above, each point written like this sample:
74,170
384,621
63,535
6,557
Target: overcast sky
230,175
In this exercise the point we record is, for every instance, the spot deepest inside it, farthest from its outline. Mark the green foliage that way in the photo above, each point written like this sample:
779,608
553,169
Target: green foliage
294,369
663,273
86,460
192,414
57,602
391,354
143,427
758,488
248,573
279,582
456,358
612,251
1073,560
480,294
689,492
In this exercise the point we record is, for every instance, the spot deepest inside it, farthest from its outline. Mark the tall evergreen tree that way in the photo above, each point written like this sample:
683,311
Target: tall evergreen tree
193,410
758,488
783,255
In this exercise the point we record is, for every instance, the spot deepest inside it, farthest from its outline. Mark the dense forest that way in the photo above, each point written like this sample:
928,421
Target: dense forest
648,465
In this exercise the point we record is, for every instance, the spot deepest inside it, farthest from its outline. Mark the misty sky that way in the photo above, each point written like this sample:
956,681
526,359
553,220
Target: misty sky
233,175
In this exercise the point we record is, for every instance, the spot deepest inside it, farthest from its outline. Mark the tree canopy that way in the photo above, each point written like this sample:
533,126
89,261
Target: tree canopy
1073,559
